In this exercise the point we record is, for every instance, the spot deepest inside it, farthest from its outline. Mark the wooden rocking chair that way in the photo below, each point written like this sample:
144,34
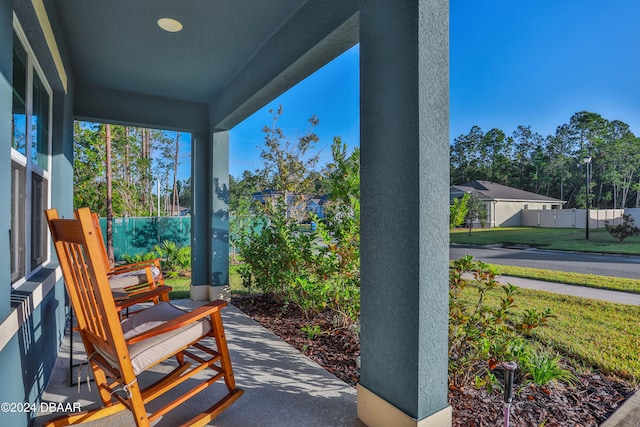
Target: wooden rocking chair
131,279
119,350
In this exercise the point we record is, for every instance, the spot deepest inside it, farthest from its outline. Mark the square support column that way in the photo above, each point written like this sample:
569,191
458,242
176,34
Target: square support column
219,256
200,214
404,69
210,217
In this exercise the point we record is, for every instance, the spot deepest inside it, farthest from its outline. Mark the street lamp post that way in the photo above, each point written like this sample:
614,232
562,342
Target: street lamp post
587,167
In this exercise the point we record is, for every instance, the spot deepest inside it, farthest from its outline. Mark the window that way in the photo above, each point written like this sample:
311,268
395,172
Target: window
30,161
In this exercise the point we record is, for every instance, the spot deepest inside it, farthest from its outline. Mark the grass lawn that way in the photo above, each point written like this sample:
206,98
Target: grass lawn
566,239
181,285
594,334
569,278
597,333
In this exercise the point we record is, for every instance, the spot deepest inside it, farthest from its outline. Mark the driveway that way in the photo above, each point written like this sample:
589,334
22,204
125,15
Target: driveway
603,265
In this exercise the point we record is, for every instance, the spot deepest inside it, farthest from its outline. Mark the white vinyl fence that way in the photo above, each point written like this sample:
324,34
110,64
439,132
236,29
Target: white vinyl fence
576,218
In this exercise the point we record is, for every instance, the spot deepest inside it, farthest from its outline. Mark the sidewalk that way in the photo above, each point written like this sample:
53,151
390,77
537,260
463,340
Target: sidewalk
573,290
283,388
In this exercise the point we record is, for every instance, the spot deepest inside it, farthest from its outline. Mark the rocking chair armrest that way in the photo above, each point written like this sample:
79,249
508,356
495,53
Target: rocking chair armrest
144,296
140,265
180,321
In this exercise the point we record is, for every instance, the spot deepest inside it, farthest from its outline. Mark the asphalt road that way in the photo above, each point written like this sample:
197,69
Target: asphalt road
603,265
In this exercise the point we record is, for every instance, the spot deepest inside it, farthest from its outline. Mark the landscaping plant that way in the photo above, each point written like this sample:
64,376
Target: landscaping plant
316,269
175,260
623,230
476,211
482,336
458,211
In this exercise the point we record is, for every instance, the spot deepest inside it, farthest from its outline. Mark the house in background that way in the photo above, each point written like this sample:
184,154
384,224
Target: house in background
299,206
504,204
316,205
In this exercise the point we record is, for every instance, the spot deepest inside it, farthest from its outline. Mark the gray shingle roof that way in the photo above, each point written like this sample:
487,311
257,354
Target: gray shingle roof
492,191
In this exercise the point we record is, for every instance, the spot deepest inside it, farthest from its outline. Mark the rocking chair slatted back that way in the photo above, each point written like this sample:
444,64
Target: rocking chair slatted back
90,294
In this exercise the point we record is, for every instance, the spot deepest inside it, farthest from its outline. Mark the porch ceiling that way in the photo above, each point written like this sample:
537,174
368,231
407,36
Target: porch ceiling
117,44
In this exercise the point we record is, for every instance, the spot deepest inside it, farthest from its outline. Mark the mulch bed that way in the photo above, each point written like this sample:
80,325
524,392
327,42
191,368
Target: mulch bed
587,403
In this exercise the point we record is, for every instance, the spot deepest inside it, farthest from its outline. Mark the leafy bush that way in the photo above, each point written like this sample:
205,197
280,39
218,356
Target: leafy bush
543,368
174,259
482,335
316,269
624,230
458,211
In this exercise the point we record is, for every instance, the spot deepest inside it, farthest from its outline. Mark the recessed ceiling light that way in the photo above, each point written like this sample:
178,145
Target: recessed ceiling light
170,25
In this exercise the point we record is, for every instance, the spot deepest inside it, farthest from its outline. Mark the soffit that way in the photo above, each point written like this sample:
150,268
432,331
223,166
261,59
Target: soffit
117,44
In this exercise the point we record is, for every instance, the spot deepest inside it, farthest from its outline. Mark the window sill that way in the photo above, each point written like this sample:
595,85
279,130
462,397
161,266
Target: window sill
26,298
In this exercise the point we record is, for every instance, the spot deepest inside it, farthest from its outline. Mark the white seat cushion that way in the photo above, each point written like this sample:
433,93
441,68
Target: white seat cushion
131,278
150,351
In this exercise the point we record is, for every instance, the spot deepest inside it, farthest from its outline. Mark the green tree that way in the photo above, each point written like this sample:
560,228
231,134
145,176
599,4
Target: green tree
476,211
134,170
528,159
288,165
466,157
243,187
458,211
627,228
495,157
88,168
620,153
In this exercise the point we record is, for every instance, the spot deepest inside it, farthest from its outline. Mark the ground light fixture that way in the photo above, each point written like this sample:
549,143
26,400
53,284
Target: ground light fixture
169,24
509,371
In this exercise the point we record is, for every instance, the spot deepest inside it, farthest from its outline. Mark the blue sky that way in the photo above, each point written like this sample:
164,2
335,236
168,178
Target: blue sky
332,94
538,62
513,63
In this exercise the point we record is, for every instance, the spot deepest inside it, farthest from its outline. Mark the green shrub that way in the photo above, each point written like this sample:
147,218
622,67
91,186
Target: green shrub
626,229
316,269
175,260
482,336
458,211
542,368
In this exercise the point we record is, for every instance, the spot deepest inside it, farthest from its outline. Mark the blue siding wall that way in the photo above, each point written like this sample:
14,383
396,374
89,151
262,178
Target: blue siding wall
28,352
31,354
6,77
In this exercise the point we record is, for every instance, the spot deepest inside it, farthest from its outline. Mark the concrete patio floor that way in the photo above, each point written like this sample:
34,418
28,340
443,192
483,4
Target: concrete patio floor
282,387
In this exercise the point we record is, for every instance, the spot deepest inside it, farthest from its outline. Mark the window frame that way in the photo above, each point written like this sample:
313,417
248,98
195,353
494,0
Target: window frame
33,171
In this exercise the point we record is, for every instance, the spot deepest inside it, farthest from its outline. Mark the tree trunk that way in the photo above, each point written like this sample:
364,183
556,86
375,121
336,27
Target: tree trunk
110,253
147,192
176,201
127,159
